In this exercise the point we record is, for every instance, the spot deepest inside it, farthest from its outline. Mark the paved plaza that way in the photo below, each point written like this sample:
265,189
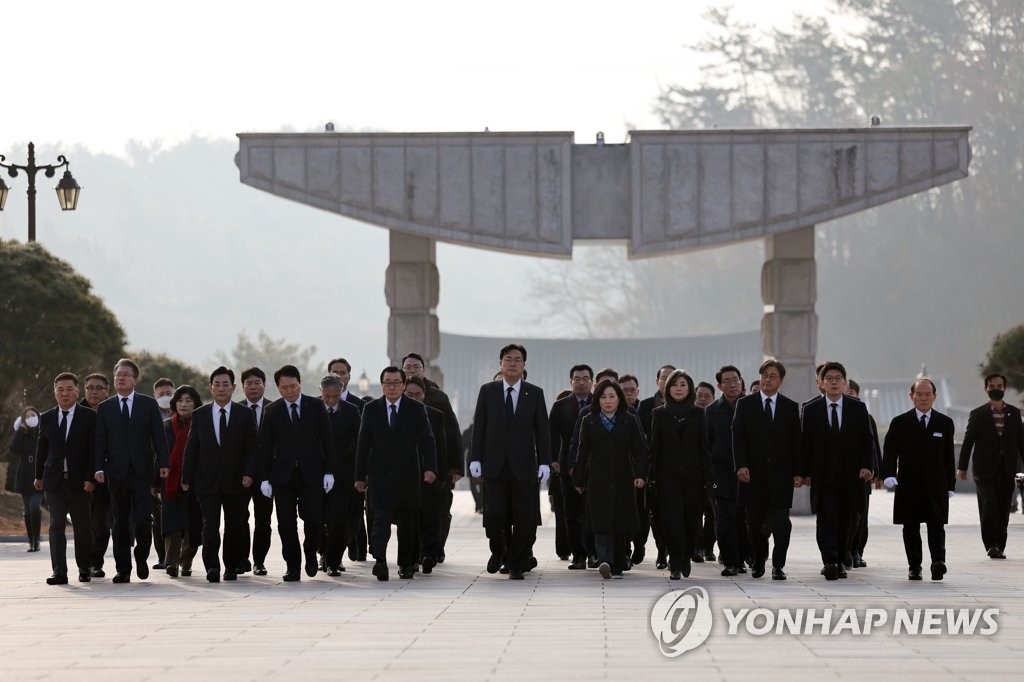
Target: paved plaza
461,623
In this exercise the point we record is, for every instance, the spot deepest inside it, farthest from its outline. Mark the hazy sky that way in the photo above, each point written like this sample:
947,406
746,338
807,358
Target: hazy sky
102,74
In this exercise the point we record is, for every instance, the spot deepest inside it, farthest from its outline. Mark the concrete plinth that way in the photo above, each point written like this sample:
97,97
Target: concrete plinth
412,288
789,289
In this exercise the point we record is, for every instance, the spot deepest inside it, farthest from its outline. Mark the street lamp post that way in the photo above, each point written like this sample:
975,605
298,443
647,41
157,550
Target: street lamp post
67,188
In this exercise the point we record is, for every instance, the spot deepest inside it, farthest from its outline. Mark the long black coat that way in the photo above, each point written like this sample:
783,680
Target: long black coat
679,457
392,459
770,450
607,464
22,471
718,417
834,460
922,462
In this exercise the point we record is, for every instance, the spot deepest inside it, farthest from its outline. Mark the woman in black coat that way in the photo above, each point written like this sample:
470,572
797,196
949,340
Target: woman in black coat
182,520
611,463
681,467
23,447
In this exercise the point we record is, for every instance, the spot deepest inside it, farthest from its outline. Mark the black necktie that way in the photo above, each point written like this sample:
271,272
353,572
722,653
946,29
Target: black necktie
256,410
924,422
223,425
124,410
64,432
331,411
295,413
835,418
510,410
768,409
394,415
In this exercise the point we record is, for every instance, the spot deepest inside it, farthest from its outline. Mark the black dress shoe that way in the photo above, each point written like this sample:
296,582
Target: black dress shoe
628,566
504,569
142,570
311,565
213,576
333,572
710,556
84,577
686,566
98,573
440,558
578,565
380,569
831,571
697,558
740,569
914,574
854,560
159,566
172,571
938,570
494,563
428,564
728,571
861,563
230,575
757,571
842,573
121,578
531,564
244,567
995,553
563,557
292,576
186,573
661,564
778,574
406,572
638,555
57,580
675,575
259,569
592,562
515,574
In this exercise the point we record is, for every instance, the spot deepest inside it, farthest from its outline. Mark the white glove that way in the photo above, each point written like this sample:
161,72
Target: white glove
951,494
543,473
328,482
266,489
474,470
890,482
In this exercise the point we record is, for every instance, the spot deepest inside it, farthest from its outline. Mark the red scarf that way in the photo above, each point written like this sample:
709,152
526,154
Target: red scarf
173,482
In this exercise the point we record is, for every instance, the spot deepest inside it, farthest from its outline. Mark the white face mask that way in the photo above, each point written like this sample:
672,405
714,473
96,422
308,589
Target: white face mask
32,422
164,402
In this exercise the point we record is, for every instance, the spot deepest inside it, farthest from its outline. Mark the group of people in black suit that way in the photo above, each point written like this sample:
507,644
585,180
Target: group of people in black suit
619,465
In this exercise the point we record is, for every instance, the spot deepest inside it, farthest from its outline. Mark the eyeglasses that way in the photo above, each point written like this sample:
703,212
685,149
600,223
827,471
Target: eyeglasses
392,383
124,374
833,379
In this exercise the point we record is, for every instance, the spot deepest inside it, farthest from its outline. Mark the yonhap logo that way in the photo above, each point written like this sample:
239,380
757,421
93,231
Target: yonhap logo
681,620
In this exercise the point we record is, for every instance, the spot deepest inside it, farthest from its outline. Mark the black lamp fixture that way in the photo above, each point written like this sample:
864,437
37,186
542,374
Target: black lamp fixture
67,189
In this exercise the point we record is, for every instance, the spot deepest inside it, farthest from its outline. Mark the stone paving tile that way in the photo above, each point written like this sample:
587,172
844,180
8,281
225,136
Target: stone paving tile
461,623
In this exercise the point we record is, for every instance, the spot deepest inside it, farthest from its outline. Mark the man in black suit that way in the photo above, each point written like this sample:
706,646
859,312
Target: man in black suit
220,463
431,526
344,419
450,473
917,460
511,453
97,389
766,448
859,537
297,468
357,538
65,461
395,453
254,385
562,422
836,461
129,433
724,486
996,439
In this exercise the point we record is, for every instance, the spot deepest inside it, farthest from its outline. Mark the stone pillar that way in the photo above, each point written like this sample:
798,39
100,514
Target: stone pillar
412,288
789,328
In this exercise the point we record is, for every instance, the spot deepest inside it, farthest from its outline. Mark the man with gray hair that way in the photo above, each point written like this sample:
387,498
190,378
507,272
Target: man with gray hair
344,419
